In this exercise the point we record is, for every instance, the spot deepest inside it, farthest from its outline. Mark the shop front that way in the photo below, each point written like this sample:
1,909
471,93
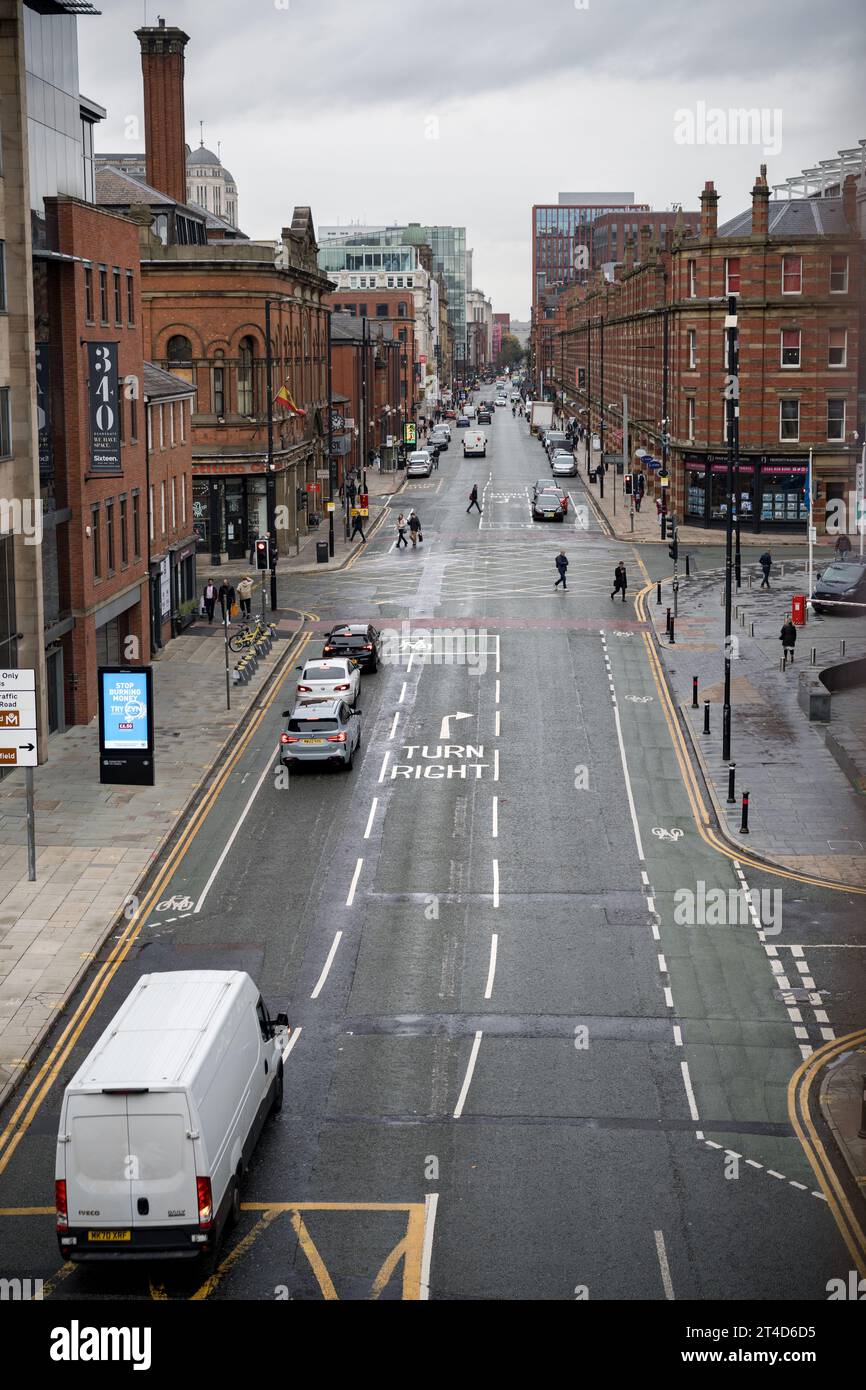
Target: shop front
228,513
770,491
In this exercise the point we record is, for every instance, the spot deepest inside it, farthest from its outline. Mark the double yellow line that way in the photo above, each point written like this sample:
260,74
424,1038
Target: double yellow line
690,781
33,1097
799,1095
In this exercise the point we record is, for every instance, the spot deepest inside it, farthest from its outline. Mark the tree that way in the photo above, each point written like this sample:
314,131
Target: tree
510,352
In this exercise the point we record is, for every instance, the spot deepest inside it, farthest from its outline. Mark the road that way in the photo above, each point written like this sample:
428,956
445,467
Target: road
513,1072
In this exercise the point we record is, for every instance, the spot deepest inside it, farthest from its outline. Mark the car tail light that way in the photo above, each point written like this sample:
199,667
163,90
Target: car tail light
328,647
60,1203
205,1202
308,689
341,687
289,738
337,738
368,646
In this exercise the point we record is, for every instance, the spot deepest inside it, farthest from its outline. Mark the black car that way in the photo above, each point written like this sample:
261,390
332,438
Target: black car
484,417
360,641
843,582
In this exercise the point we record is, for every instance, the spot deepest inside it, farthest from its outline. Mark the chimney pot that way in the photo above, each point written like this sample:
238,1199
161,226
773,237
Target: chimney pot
761,204
162,66
709,209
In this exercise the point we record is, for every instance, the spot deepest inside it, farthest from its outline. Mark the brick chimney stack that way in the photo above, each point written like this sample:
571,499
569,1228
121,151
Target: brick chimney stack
761,204
162,66
709,209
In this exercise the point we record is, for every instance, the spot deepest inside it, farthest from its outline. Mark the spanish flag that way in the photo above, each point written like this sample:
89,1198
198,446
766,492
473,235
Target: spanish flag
285,399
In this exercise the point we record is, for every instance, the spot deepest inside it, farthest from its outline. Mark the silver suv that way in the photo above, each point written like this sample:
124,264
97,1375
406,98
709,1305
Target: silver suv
320,731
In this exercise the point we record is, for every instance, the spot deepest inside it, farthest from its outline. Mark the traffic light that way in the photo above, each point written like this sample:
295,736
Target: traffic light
262,555
674,547
628,487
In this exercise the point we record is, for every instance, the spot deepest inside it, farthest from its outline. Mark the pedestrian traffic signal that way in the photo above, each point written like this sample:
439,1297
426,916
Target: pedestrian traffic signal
628,485
262,556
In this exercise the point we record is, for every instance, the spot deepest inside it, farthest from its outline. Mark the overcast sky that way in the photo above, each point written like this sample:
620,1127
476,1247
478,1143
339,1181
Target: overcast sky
468,112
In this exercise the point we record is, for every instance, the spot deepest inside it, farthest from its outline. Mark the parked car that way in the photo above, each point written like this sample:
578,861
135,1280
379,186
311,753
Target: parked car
338,679
419,464
843,582
183,1078
547,506
321,730
360,641
563,464
553,440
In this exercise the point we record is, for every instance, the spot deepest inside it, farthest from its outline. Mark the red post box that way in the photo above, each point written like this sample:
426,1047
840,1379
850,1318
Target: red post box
798,610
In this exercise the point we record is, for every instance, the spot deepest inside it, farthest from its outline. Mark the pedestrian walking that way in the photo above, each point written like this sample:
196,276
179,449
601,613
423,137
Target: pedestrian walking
245,594
620,581
766,563
473,500
357,527
415,528
209,598
788,638
226,596
401,532
843,547
639,490
561,563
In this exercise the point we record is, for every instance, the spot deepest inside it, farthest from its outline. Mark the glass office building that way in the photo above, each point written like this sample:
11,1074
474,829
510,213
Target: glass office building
562,241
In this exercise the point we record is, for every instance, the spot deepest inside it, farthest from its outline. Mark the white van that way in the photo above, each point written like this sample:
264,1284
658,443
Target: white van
474,443
160,1121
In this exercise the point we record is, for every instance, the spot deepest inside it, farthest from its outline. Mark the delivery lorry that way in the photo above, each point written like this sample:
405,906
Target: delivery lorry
160,1121
540,416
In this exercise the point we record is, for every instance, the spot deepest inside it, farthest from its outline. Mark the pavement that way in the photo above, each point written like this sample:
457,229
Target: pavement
516,1067
814,826
643,526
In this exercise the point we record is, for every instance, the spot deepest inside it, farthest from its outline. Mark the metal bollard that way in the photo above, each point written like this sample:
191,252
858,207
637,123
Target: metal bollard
744,819
813,655
861,1133
742,617
751,629
668,622
688,570
694,692
781,663
706,716
673,639
732,773
750,581
659,592
842,647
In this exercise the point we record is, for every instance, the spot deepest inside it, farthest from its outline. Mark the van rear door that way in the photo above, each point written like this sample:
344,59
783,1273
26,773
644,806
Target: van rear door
98,1190
163,1186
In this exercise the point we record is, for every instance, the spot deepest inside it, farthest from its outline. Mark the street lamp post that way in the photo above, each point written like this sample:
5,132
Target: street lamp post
332,467
271,481
732,411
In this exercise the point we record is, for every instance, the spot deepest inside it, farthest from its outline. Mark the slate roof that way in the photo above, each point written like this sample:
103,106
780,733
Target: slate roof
159,384
794,217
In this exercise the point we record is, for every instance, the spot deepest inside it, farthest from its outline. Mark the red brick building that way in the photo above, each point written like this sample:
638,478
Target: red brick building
657,333
368,370
171,538
88,301
395,309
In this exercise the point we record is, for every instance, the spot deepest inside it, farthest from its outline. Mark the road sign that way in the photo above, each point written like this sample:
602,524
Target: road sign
322,473
17,718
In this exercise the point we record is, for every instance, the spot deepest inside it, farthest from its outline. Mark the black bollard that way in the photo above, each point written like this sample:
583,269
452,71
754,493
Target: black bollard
706,716
668,622
694,692
688,571
732,772
673,639
744,820
659,592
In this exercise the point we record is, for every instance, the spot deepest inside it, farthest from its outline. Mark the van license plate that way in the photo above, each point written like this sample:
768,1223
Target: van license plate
109,1235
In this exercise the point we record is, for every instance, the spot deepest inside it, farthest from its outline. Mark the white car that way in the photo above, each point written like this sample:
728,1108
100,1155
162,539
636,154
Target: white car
501,400
563,465
336,679
419,464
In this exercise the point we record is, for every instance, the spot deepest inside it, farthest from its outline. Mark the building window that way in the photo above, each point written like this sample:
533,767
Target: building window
133,417
178,354
162,509
3,276
150,511
362,311
109,534
171,423
790,338
693,347
401,309
161,422
183,501
732,275
118,298
88,293
690,417
381,311
130,298
792,275
103,294
246,359
173,504
150,410
124,543
836,419
94,535
136,524
789,421
5,423
837,349
182,405
839,274
219,391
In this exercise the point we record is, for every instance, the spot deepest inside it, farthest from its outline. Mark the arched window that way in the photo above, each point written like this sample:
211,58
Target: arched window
219,384
179,351
246,394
